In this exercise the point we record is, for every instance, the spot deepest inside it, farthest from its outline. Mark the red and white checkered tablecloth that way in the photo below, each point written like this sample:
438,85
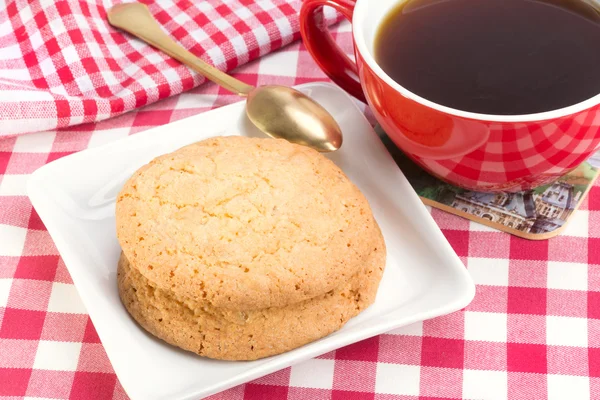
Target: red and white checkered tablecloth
532,331
62,64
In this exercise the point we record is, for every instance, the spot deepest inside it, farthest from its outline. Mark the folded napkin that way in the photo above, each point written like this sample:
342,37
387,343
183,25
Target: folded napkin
62,64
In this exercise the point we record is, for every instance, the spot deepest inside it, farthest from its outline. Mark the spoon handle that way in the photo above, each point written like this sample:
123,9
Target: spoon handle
136,19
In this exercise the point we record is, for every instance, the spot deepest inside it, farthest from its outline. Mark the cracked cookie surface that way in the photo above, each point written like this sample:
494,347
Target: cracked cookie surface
243,223
238,335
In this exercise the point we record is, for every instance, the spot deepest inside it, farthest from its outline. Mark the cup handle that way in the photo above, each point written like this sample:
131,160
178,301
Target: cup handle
328,55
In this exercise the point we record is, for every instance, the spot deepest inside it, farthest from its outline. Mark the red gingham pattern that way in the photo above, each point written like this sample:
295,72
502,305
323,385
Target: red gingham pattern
62,64
532,331
509,158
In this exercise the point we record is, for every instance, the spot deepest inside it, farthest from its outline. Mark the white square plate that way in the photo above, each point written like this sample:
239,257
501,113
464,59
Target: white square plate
75,197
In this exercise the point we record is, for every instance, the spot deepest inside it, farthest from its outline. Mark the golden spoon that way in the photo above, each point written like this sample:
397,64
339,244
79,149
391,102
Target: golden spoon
278,111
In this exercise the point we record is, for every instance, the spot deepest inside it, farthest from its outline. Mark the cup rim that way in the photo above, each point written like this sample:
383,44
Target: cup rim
369,59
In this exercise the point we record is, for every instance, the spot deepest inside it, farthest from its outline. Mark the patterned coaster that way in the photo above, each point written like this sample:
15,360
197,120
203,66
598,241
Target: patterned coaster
534,214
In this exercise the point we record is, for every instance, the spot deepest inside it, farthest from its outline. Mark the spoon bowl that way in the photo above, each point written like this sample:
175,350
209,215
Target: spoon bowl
278,111
284,112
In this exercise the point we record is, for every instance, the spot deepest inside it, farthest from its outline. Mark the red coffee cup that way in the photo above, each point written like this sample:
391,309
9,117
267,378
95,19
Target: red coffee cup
476,151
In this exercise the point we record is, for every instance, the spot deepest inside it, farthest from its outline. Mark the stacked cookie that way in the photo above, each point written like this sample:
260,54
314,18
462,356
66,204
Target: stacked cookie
239,248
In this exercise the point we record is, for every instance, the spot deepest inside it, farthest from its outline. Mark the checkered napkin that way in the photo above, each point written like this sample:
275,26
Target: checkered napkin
62,64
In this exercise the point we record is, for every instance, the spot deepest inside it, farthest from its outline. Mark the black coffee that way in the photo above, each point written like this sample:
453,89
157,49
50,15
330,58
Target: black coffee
494,56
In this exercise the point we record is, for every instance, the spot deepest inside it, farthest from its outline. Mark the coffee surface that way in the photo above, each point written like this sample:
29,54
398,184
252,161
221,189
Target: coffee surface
505,57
